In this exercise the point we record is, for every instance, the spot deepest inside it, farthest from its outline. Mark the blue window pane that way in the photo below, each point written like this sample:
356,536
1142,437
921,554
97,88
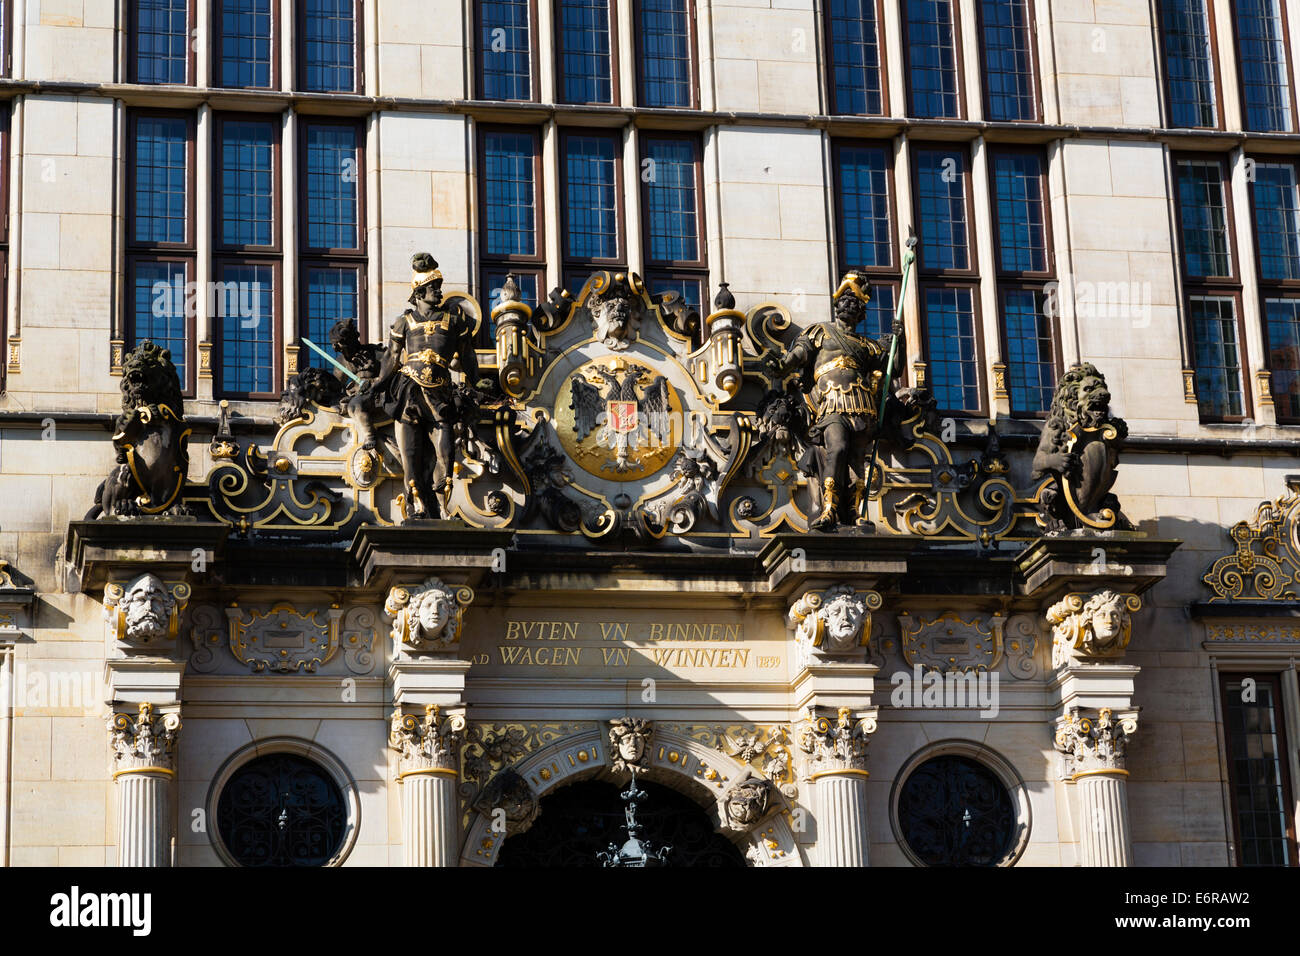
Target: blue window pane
1018,193
247,215
1277,220
674,227
504,34
952,350
510,193
159,295
932,59
1203,210
246,48
246,316
585,56
161,172
864,206
855,57
332,217
332,294
689,291
1283,319
1189,62
1218,359
1261,53
941,194
330,46
879,320
591,178
1008,59
162,38
496,279
1031,361
666,53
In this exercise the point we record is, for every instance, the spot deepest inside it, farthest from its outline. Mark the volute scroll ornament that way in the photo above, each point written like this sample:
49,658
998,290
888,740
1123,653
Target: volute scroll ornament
1092,627
428,617
144,741
835,747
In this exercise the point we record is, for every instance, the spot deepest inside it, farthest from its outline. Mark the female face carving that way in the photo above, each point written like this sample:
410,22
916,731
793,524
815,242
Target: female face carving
434,613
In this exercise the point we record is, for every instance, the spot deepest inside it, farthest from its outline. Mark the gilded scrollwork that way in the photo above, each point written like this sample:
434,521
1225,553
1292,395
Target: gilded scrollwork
1264,563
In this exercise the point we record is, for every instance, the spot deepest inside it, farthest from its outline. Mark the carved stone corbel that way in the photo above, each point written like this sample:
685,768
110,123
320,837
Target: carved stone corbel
427,617
834,622
146,613
1087,628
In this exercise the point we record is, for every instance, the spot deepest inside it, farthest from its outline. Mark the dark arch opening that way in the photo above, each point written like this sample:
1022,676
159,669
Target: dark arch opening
580,820
281,810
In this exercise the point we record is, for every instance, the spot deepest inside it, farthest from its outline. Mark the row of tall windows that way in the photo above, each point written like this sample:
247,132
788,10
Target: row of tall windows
1190,43
592,210
1212,280
247,263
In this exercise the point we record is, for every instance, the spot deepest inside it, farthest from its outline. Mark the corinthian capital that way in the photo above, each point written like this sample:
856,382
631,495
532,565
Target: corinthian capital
1094,744
835,746
145,741
1091,627
431,743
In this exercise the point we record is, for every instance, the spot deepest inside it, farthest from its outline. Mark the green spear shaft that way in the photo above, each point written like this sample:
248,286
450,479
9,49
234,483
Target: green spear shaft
909,259
329,358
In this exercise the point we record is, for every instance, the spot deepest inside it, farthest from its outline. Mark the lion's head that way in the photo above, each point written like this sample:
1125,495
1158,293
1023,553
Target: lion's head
150,379
1081,398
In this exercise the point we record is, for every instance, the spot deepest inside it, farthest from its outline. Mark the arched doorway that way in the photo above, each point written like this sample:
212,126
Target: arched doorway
578,821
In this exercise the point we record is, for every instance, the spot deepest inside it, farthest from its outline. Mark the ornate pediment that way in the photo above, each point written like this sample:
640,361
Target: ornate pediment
1265,561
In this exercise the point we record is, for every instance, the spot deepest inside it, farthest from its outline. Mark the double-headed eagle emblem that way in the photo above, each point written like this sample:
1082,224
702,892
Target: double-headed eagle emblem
624,421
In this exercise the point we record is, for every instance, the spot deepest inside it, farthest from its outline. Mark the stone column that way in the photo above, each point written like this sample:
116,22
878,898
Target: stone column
429,750
1094,690
144,756
1093,748
835,763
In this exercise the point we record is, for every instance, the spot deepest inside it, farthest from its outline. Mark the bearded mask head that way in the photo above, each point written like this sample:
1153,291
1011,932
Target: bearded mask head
146,609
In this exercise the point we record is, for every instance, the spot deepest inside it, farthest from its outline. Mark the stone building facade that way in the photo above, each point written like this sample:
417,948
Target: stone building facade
279,661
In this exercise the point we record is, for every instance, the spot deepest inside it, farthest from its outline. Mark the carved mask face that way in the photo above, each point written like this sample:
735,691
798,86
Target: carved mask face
844,619
148,608
631,747
1094,396
849,310
435,612
616,317
1107,622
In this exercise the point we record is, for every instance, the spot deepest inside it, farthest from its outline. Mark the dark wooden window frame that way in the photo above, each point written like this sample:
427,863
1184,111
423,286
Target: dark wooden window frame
277,319
534,73
980,371
132,42
1274,678
1006,285
890,271
5,113
1215,286
1290,68
692,15
962,110
613,57
6,53
1271,288
1163,61
1034,66
218,43
968,175
358,251
309,262
571,263
829,67
137,252
358,48
701,239
539,222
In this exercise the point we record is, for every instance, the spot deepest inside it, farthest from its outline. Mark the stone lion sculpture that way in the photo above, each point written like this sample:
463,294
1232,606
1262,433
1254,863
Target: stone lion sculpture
150,438
1079,451
427,617
834,621
1091,627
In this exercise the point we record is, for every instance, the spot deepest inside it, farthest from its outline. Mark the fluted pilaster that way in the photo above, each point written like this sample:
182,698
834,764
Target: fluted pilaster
1104,838
144,817
842,838
429,831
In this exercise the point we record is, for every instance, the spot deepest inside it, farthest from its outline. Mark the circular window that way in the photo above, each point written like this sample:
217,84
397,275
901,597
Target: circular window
953,810
282,810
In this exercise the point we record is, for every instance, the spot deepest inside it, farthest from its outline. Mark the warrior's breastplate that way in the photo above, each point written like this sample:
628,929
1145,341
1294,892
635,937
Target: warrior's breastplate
426,345
845,380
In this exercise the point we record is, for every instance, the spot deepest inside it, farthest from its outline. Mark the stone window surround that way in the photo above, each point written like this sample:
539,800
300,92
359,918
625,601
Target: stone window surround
303,748
989,758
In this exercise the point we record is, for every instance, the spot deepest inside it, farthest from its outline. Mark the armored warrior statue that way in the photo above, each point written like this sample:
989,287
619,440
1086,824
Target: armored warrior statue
417,386
842,375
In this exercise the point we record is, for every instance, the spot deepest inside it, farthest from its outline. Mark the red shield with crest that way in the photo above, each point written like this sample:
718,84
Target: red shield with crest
622,416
